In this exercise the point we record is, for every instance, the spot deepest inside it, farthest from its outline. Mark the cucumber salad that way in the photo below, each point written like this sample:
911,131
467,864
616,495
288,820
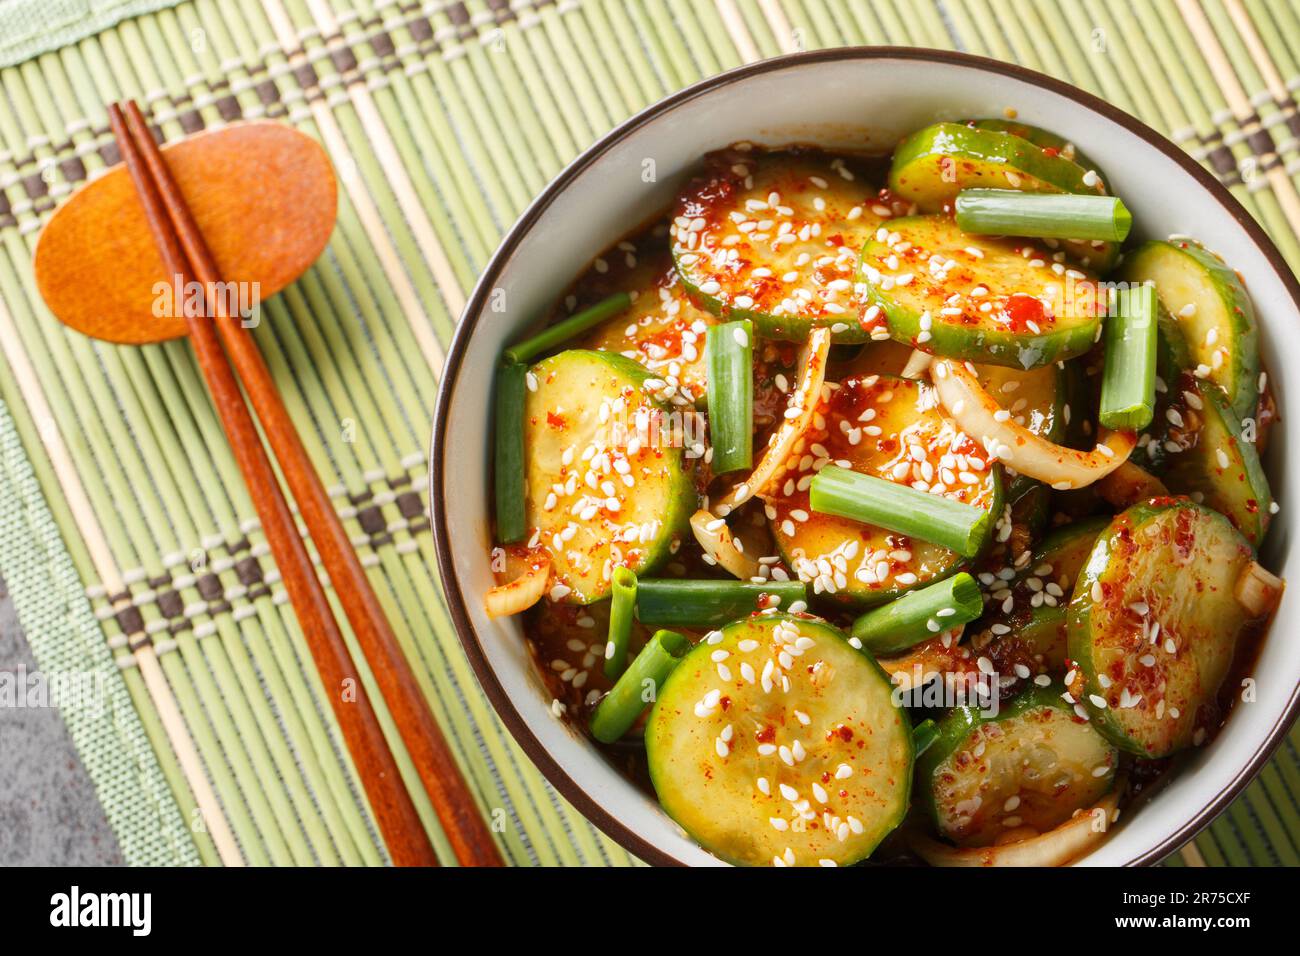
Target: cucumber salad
891,507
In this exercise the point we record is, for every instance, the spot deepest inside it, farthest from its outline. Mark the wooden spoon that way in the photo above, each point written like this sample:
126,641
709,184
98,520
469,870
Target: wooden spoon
263,194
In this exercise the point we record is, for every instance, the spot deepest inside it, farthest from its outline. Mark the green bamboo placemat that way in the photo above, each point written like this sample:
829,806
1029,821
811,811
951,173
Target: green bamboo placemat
444,119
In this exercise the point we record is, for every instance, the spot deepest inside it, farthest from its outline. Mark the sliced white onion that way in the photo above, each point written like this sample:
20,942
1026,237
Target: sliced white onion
982,417
800,408
718,543
1129,484
1258,589
917,363
1057,847
520,594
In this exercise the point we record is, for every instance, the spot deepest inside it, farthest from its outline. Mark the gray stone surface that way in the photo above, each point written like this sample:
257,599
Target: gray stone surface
49,814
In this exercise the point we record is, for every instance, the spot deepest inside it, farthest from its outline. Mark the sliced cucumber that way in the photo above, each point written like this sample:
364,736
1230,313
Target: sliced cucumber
580,432
1025,619
1213,310
991,780
1216,466
882,426
1154,622
662,329
1050,143
935,163
1031,503
1040,642
774,238
1174,367
1063,553
1035,397
977,298
774,740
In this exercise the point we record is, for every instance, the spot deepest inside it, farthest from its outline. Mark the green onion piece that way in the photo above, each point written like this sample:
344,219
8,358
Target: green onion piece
509,440
638,686
1009,212
730,351
919,615
677,603
959,527
1128,381
547,339
924,735
622,603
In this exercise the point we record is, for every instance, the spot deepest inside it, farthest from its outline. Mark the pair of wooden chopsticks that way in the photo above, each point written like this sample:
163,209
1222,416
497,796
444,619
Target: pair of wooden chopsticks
185,254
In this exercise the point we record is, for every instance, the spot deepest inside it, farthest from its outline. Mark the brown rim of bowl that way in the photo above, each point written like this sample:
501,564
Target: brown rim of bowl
567,787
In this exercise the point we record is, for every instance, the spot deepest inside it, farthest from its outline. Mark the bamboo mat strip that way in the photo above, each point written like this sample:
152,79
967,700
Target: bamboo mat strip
444,119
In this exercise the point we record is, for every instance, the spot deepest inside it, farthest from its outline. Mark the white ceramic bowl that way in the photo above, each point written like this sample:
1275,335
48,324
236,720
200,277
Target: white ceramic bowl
836,98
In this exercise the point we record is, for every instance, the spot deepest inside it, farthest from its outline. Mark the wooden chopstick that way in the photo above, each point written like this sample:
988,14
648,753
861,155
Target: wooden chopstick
395,814
464,827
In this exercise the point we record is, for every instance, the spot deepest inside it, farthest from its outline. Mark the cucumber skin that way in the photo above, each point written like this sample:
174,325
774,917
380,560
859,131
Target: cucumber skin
1236,304
1066,537
957,725
1042,138
782,328
1079,623
992,346
994,148
703,649
684,498
999,149
1030,503
1256,522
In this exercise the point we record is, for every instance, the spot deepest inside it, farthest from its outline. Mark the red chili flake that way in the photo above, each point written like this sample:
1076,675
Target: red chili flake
765,735
1023,309
1051,151
725,703
554,420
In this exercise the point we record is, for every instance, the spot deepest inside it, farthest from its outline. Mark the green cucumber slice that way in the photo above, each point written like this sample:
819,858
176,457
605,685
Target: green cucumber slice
1213,310
1020,773
758,771
662,329
582,507
972,297
935,163
881,426
1030,505
1051,144
1061,555
1154,622
1024,622
774,238
1215,465
1035,397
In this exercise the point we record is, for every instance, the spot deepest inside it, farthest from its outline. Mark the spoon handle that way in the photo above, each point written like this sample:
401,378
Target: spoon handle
464,827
